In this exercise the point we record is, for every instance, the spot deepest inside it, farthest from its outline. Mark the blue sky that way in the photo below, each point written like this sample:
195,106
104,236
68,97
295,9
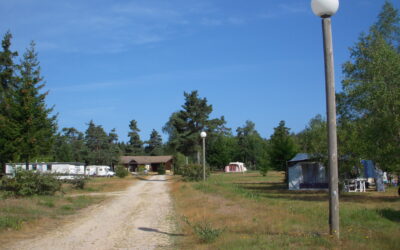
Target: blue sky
112,61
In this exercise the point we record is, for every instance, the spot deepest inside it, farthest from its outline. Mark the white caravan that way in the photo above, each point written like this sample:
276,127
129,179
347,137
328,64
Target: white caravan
95,170
65,170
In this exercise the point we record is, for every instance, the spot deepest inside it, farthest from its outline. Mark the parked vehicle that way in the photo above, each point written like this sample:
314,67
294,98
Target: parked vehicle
64,170
95,170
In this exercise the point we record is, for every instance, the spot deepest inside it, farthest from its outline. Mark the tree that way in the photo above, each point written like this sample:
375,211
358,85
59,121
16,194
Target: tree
135,146
69,146
9,128
115,150
314,138
7,66
282,148
36,124
369,100
98,147
251,146
184,126
154,144
221,150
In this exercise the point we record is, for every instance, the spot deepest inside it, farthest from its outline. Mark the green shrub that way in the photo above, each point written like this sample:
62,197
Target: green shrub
121,171
161,169
28,183
78,183
194,172
204,230
179,163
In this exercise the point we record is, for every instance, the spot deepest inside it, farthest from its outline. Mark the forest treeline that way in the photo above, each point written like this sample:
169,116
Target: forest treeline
368,107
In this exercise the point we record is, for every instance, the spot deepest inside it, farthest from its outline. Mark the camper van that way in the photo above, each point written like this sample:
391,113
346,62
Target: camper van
94,170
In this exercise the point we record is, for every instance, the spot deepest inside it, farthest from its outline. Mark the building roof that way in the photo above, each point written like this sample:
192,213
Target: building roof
145,159
301,157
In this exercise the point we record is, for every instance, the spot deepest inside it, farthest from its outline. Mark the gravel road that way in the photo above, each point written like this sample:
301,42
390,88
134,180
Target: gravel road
140,218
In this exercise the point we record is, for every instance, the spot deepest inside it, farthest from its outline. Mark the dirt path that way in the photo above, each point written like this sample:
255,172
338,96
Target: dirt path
140,218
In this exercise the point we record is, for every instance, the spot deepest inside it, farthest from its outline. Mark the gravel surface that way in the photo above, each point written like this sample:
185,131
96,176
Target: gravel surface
140,218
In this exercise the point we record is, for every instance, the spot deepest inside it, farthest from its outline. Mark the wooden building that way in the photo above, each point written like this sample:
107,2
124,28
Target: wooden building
153,162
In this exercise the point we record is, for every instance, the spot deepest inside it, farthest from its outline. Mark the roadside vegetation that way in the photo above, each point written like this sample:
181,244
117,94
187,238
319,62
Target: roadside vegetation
249,211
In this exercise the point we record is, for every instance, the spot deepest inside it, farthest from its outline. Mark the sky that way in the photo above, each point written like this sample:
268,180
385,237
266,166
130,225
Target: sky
112,61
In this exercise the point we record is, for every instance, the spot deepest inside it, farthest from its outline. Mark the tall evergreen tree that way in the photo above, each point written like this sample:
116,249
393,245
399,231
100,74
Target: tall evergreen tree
282,147
115,151
184,126
154,144
251,146
37,125
98,145
135,146
9,128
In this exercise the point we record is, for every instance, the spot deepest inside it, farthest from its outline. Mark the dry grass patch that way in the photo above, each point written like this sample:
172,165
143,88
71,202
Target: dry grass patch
258,212
102,184
28,216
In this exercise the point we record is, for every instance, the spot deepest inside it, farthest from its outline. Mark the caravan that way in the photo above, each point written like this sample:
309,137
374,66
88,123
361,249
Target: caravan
64,170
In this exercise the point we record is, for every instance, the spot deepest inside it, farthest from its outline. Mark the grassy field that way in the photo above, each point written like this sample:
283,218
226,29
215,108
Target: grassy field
254,212
27,216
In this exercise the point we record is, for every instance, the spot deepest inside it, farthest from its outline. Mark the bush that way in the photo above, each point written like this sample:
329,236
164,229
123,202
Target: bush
78,183
204,230
28,183
194,172
179,163
161,169
121,171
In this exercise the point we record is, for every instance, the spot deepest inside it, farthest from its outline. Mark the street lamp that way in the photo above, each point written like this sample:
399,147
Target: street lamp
325,9
203,136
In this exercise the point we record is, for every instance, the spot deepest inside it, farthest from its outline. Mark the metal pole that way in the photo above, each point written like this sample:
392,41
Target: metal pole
204,159
332,137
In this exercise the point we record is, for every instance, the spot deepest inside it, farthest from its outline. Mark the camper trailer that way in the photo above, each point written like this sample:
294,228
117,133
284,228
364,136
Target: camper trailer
235,167
64,170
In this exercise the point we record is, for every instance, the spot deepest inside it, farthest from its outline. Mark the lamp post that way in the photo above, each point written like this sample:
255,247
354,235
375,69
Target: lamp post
203,136
325,9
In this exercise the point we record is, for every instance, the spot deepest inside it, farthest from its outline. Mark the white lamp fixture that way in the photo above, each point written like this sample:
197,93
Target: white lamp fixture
203,134
324,8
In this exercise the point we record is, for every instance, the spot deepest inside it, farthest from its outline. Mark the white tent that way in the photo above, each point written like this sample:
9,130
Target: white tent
235,167
305,173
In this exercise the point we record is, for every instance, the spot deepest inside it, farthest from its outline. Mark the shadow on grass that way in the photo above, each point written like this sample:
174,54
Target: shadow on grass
390,214
278,190
147,229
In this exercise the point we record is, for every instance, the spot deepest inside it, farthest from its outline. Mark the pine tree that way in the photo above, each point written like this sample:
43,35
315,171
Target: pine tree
37,125
184,126
115,151
282,148
135,146
9,127
154,144
97,144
